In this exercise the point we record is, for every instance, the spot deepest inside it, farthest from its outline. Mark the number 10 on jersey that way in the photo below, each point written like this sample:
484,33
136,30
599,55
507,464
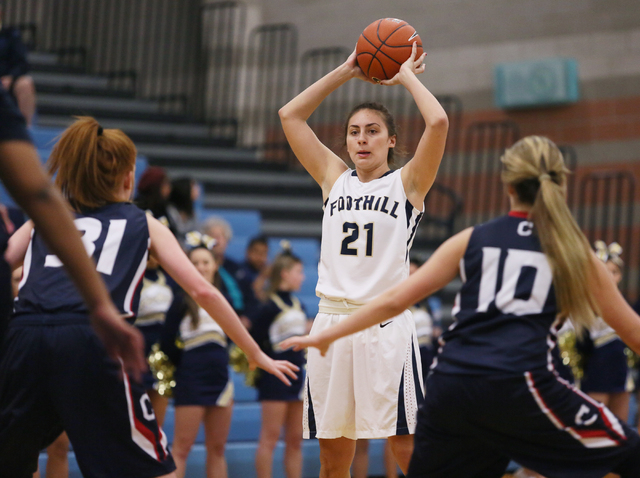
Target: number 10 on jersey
353,232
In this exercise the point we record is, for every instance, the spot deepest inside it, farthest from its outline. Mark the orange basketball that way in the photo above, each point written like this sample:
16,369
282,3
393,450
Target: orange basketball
385,45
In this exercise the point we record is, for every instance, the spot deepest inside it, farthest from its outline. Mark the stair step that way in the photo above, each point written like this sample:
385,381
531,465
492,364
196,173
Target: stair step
272,227
249,177
49,100
182,129
262,202
195,154
69,79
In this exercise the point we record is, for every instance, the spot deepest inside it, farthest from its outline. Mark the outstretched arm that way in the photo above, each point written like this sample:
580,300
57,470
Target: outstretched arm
441,268
321,163
166,250
419,174
615,310
25,179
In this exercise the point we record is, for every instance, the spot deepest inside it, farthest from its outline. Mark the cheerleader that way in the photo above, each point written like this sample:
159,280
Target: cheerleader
606,372
204,390
280,318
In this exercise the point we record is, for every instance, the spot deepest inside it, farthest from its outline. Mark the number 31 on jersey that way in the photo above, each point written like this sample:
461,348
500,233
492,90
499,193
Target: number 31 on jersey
92,229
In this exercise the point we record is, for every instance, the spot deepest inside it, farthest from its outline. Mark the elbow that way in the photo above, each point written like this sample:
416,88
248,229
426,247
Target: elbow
394,306
284,113
204,294
439,122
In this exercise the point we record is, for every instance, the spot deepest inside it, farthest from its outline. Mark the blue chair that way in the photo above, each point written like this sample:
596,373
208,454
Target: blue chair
242,391
310,302
44,137
237,248
308,249
142,163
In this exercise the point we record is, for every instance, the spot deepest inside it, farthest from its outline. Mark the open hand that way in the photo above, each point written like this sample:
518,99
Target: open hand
300,342
413,66
279,368
356,71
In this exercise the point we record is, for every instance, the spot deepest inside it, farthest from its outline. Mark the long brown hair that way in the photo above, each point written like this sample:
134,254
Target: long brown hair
192,307
90,162
535,168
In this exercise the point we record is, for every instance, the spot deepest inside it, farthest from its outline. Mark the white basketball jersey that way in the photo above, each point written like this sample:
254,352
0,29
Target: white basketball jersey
367,232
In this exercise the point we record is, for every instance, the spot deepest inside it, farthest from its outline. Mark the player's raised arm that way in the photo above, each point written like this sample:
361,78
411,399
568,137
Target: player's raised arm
321,163
419,174
166,250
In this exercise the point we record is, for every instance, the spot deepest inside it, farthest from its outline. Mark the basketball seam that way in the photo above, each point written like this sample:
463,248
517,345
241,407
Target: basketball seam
383,53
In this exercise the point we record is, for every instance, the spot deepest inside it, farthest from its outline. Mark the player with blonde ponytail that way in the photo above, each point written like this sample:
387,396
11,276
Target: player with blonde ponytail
493,393
535,169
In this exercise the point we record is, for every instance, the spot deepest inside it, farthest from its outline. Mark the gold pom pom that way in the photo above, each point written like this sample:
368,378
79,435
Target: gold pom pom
240,363
162,369
570,355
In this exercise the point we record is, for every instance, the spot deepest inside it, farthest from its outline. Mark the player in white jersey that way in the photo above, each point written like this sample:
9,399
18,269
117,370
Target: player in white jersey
368,385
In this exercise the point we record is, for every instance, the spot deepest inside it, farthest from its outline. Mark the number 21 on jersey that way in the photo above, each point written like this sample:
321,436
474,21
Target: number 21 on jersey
353,231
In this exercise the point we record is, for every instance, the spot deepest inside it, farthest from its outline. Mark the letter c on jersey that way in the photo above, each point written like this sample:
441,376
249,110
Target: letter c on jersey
525,228
581,413
147,409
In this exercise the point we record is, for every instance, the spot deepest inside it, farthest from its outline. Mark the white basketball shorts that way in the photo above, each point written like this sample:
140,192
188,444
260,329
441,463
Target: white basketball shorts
368,385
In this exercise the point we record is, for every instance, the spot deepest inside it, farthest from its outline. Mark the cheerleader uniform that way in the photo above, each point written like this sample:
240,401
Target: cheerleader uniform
606,369
283,316
156,297
202,378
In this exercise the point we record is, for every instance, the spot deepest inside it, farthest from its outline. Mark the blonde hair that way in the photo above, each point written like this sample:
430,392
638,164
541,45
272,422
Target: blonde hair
90,162
535,168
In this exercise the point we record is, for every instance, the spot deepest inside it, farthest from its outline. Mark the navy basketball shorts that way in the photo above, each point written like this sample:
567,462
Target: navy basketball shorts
58,377
472,426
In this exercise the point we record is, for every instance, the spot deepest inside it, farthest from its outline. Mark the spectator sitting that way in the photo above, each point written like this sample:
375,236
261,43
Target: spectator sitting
253,273
13,71
184,192
154,189
220,230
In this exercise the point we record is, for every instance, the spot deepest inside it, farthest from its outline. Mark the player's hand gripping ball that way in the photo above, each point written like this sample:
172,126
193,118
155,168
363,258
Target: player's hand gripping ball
384,46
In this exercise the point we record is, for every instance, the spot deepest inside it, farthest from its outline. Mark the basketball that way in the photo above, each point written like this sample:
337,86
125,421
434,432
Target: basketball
384,46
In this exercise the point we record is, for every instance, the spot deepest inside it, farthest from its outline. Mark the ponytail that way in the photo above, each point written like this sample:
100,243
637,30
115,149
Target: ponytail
90,162
535,168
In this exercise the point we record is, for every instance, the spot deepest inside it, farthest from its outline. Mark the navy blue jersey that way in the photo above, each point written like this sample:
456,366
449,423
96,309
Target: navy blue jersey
506,310
116,236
